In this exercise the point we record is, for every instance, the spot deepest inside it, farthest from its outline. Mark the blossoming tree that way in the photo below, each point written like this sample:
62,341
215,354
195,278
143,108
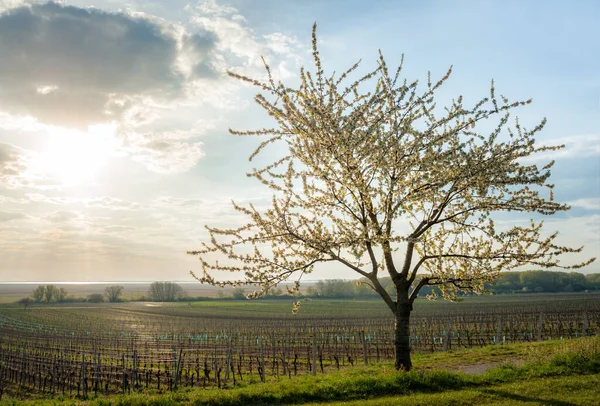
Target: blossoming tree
387,184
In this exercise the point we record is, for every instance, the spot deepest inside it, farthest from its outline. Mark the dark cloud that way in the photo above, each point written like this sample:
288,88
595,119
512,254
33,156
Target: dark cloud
71,66
199,47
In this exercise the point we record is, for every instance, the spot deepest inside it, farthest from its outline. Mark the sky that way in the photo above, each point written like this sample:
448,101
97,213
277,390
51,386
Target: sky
114,116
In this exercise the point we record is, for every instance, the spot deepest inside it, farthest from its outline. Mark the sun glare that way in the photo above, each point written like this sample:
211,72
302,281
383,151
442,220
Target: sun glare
73,158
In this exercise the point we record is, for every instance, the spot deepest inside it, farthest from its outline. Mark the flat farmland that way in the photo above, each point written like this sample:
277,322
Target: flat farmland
85,349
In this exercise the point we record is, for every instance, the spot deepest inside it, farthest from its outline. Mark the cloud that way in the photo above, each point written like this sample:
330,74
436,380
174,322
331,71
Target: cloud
164,155
70,67
73,66
8,4
40,198
13,162
239,47
62,216
13,200
16,169
118,229
592,203
100,202
111,203
7,216
576,146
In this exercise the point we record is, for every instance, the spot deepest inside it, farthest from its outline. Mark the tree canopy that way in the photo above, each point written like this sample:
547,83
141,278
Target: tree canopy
165,291
49,293
113,292
388,184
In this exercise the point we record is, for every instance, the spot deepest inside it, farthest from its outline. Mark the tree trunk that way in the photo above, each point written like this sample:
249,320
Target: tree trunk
402,337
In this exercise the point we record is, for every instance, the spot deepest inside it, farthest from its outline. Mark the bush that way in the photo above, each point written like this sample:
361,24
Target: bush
95,298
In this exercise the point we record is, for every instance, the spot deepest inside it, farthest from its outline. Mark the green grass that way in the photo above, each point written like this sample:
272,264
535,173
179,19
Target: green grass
564,390
569,368
369,307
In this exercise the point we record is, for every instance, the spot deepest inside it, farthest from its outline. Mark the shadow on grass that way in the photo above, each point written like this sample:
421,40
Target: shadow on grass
521,398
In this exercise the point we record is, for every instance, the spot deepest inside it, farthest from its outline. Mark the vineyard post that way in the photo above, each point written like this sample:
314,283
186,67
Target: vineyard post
262,355
285,354
215,360
2,370
586,324
39,365
336,356
97,378
83,383
241,358
482,331
23,367
364,345
179,367
54,372
174,368
345,348
444,338
273,352
134,376
499,330
540,327
314,352
376,345
123,374
227,356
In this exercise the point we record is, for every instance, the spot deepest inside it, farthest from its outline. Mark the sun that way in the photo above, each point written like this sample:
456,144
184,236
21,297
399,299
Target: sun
73,158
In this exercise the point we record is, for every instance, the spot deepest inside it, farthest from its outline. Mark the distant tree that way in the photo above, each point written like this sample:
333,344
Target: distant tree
274,292
95,298
50,293
593,281
379,177
238,293
26,301
541,281
39,293
362,289
577,281
335,288
113,293
60,294
165,291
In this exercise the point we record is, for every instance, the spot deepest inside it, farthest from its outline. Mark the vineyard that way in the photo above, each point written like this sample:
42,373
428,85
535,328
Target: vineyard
97,349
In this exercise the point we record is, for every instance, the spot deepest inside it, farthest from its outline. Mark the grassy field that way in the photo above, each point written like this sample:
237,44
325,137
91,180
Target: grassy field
331,307
547,373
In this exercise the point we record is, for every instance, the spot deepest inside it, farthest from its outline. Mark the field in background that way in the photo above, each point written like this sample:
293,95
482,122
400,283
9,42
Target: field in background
83,349
11,292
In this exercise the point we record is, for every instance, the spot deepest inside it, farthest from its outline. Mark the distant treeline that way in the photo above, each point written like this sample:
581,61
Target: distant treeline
158,292
507,283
